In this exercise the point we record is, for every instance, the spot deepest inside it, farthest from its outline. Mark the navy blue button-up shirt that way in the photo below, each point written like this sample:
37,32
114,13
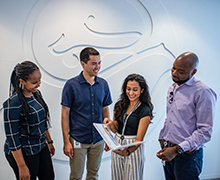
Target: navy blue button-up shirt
16,127
85,102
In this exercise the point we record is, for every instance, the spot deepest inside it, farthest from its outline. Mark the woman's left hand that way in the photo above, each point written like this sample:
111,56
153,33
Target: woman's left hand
52,149
123,152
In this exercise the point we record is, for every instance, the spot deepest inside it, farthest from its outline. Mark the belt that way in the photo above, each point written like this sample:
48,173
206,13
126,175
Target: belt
169,144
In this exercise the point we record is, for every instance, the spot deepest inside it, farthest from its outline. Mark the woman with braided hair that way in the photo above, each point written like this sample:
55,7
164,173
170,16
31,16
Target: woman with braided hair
28,147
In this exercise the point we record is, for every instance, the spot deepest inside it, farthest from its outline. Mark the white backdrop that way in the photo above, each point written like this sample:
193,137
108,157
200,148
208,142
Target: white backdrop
132,36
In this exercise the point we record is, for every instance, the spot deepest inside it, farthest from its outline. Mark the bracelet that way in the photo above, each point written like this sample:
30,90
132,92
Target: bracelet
128,152
50,142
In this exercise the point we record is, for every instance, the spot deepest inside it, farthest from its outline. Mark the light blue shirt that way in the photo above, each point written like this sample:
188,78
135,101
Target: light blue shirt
190,114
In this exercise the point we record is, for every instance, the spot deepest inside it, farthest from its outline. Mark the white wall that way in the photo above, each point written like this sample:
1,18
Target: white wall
132,36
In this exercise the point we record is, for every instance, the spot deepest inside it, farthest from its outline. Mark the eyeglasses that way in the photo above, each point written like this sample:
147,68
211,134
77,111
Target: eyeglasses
171,97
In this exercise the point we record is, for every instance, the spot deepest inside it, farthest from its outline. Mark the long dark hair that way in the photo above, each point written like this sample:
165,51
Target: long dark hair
23,71
123,102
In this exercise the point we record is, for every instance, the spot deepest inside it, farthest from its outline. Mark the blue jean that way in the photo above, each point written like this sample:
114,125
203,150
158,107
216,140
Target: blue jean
184,166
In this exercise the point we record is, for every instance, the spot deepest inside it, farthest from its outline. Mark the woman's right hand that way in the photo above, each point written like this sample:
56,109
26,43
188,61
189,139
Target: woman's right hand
24,173
107,121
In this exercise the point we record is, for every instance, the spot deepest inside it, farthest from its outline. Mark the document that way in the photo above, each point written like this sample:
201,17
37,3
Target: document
106,134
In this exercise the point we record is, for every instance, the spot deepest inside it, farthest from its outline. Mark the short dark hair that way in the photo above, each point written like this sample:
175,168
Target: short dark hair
86,52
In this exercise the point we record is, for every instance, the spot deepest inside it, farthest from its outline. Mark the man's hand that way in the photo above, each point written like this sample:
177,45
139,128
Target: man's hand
167,154
68,150
161,143
106,147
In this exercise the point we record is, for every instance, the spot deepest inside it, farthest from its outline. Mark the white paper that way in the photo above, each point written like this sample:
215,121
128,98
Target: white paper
106,134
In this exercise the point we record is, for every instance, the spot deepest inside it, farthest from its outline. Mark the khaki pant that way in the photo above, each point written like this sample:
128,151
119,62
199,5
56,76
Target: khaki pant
93,154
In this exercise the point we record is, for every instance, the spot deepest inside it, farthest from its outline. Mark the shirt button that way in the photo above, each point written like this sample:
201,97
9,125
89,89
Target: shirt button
93,113
92,104
91,94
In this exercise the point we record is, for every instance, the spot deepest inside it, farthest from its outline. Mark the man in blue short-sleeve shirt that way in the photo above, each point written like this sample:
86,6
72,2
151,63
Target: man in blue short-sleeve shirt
85,101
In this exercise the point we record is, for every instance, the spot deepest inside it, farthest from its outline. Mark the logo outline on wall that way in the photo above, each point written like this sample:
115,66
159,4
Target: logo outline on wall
55,33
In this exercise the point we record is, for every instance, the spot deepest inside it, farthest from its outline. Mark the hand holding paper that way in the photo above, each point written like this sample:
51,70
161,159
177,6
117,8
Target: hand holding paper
106,134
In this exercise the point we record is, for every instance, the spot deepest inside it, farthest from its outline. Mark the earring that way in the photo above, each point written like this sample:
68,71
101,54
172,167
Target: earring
21,86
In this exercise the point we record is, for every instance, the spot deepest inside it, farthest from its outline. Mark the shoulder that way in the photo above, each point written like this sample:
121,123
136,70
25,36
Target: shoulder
144,107
144,110
72,82
102,80
12,101
201,86
201,89
39,92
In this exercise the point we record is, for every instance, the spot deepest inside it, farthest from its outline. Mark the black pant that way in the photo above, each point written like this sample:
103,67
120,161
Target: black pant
40,165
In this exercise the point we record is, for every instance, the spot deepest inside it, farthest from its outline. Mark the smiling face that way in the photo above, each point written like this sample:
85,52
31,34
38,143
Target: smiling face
133,91
32,84
93,65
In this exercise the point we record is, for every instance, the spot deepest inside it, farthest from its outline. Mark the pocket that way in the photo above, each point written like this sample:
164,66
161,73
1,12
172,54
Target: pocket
198,164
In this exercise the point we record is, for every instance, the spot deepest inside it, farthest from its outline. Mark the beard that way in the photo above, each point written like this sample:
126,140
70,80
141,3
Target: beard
180,81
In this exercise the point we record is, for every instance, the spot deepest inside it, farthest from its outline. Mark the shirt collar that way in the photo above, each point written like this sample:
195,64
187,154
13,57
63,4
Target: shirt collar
83,80
188,83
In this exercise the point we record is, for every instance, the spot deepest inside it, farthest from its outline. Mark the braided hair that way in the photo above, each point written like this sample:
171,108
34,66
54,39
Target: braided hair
23,71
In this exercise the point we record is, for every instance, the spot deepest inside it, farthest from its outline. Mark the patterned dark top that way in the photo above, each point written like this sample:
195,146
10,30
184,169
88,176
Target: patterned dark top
28,135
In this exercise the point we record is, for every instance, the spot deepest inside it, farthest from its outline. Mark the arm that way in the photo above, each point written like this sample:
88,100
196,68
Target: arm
50,143
142,129
23,169
105,112
11,113
67,148
204,112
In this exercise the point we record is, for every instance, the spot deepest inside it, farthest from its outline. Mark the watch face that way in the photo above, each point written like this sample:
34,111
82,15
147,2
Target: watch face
179,149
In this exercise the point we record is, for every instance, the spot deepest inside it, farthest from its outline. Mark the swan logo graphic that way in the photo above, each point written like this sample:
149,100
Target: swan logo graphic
129,35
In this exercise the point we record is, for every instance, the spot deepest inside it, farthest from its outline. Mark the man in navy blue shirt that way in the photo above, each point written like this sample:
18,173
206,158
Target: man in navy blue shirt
85,101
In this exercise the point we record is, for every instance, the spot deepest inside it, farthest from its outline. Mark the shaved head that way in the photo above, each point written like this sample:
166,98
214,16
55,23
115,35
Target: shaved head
190,60
184,67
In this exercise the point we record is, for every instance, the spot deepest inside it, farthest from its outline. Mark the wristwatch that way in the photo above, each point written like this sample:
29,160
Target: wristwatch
179,149
50,142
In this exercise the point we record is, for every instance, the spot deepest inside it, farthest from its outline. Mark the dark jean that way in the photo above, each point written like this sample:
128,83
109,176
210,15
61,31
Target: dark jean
184,166
40,165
